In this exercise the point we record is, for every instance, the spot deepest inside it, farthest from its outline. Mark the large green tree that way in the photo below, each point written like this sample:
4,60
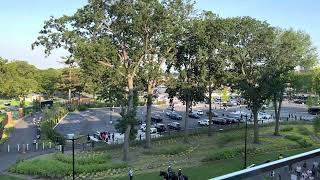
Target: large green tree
189,87
290,49
212,32
250,43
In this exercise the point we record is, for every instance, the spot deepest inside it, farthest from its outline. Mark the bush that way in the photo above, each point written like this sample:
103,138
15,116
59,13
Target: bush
49,133
287,128
226,138
82,107
293,137
304,131
299,140
304,143
224,154
316,125
169,150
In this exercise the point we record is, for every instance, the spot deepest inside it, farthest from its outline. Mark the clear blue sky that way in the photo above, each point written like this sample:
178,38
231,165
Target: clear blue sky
22,20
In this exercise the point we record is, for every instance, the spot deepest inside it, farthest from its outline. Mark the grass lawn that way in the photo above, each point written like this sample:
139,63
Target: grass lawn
203,157
6,177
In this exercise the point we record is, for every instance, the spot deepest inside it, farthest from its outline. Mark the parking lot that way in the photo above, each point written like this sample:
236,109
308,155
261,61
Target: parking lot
90,121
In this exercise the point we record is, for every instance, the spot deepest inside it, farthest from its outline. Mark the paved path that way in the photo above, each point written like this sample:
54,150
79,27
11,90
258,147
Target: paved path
24,132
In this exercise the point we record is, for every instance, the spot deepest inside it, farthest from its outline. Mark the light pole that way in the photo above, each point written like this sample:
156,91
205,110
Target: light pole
245,143
72,138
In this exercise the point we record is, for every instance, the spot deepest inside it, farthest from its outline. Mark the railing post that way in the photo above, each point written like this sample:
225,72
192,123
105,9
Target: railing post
8,148
18,147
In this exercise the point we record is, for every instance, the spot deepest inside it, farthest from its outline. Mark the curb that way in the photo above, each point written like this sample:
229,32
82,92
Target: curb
60,120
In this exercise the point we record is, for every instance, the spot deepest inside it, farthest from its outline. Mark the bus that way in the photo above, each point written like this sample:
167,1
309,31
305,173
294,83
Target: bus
314,110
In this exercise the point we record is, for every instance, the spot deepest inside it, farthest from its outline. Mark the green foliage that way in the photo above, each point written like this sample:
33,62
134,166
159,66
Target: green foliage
312,101
226,153
49,133
293,137
287,129
60,165
167,150
230,137
316,124
82,107
304,131
225,95
299,140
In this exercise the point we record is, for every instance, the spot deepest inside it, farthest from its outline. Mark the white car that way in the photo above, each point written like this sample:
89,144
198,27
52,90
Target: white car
204,122
199,112
168,113
263,116
143,127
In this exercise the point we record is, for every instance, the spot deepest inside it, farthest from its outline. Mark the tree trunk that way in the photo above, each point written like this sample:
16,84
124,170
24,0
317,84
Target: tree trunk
255,125
126,143
148,115
69,95
186,119
277,110
276,129
210,111
129,110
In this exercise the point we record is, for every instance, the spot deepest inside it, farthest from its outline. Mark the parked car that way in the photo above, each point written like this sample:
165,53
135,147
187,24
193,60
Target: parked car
200,112
220,121
214,114
299,101
143,127
232,103
204,122
314,110
230,120
263,116
174,126
156,119
175,116
168,113
160,127
194,115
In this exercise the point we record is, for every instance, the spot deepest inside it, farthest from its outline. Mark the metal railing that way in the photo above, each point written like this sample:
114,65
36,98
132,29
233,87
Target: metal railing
250,173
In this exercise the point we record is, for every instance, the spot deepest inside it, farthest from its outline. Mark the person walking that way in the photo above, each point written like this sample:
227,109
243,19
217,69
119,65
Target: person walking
280,156
180,175
130,174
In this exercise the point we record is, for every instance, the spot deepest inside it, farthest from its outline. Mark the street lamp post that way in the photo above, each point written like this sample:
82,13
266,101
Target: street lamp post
72,138
245,143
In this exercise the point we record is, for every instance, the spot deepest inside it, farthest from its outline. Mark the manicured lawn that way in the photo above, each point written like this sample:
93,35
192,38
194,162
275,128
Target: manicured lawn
203,157
6,177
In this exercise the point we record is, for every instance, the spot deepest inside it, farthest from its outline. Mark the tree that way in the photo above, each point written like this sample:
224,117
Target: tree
212,51
106,33
290,49
49,81
18,80
189,86
250,42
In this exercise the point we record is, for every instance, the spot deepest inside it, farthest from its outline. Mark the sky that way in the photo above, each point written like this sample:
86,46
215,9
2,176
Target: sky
20,21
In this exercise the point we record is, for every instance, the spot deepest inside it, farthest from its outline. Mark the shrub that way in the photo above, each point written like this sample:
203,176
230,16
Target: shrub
304,143
316,124
82,107
49,133
225,138
223,154
293,137
287,128
304,131
168,150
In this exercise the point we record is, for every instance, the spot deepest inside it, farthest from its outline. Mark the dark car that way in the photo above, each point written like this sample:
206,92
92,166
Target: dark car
314,110
220,121
160,127
175,116
174,126
156,119
299,101
231,120
214,114
194,115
